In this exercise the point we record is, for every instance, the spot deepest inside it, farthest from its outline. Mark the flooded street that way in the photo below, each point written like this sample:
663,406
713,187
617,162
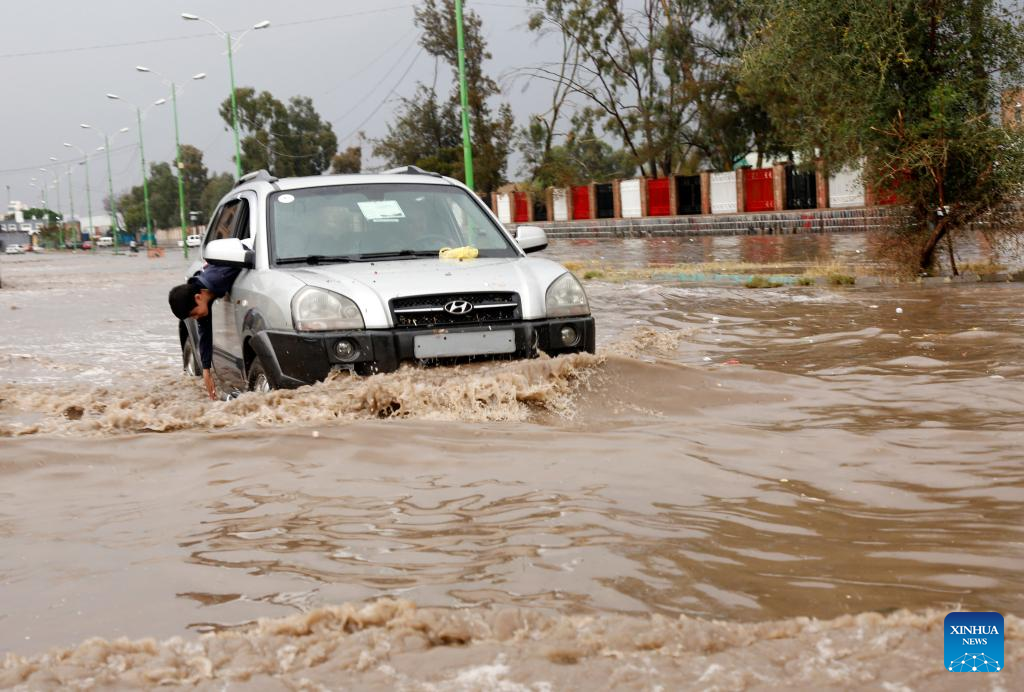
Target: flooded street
667,512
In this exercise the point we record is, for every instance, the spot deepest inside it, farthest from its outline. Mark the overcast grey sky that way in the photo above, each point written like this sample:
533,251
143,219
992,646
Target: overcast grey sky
345,54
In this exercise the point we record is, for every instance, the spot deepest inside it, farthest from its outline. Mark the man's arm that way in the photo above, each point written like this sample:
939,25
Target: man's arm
204,326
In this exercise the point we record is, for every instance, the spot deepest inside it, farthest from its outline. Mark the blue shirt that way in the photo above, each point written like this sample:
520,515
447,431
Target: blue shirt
217,280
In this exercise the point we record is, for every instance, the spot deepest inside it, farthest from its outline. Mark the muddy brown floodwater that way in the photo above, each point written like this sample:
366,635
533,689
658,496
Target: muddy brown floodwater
742,489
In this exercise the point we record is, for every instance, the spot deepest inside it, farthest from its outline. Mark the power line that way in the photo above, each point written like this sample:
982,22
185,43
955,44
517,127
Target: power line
386,97
359,101
49,164
125,44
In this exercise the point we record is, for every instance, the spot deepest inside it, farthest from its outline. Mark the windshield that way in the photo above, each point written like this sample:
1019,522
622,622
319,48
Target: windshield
373,221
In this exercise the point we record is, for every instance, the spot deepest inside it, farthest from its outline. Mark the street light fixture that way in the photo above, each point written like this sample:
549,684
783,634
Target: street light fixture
231,71
71,200
110,177
177,146
88,190
59,214
142,159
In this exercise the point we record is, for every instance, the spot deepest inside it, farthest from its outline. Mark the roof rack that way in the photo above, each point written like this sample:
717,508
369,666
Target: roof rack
261,175
411,170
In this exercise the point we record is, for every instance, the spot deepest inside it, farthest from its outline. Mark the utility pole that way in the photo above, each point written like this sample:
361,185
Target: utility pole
467,147
71,198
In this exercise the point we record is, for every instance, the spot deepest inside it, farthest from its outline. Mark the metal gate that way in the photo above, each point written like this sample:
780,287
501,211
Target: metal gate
605,198
540,210
757,185
581,202
659,201
688,194
801,189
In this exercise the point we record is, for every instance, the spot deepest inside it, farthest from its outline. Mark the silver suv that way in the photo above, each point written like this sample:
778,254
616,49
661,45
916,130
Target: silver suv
362,272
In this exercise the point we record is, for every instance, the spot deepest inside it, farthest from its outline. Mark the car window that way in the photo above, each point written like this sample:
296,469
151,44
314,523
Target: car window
223,224
353,220
243,228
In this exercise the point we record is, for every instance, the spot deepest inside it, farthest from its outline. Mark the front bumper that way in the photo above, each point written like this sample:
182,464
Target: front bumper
292,359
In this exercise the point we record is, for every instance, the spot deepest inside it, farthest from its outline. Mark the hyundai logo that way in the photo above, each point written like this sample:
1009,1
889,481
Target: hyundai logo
458,307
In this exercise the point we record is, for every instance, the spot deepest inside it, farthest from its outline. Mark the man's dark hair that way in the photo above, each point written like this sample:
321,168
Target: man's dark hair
183,299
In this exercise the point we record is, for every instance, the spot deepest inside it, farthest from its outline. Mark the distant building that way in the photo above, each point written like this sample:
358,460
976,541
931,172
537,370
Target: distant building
19,232
102,223
1013,109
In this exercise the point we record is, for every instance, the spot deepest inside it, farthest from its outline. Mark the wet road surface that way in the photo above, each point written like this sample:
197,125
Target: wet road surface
752,456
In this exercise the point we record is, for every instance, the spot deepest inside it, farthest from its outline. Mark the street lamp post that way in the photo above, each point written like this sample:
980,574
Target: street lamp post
110,178
231,72
88,191
142,159
60,214
71,202
177,146
467,146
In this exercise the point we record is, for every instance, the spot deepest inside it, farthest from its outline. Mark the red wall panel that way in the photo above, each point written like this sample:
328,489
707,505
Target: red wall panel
658,200
760,195
581,202
521,207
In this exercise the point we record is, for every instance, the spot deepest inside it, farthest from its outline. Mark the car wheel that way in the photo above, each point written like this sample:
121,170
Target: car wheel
189,361
258,380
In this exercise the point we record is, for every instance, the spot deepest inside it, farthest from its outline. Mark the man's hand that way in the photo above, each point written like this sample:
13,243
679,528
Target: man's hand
211,388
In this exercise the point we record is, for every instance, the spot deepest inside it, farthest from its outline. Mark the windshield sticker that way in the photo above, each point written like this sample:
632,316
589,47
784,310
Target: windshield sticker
381,210
286,199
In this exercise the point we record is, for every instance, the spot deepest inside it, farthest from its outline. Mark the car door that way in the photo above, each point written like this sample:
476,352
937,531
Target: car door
231,219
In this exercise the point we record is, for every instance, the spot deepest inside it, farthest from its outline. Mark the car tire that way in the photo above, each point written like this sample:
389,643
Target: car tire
258,381
190,361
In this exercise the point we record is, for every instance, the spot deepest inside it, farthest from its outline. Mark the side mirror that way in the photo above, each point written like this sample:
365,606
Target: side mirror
229,252
531,238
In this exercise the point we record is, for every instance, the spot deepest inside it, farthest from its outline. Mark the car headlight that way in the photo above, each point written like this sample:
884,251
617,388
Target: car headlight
565,297
318,310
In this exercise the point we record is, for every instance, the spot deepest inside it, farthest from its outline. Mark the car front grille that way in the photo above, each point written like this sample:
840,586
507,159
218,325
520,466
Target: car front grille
429,311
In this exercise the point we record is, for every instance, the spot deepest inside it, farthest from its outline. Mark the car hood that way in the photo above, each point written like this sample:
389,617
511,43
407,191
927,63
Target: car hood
373,284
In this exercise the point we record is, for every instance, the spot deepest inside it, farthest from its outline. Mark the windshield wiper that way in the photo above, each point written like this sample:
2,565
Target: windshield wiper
315,259
395,254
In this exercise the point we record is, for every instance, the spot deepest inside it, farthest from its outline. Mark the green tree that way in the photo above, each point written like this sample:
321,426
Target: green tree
427,134
660,77
910,86
425,115
287,140
348,161
582,156
195,177
163,200
219,185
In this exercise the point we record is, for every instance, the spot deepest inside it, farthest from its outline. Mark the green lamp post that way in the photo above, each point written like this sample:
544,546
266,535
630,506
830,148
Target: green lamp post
467,146
177,148
88,190
114,224
231,73
142,161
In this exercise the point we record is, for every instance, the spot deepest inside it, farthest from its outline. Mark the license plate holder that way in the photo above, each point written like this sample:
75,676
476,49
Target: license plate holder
456,344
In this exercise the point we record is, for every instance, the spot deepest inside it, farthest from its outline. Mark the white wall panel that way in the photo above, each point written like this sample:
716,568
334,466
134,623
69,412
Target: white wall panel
629,198
723,193
845,189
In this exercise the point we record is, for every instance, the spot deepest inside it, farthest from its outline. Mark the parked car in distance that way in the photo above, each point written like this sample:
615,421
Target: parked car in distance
86,245
104,241
14,249
194,240
364,272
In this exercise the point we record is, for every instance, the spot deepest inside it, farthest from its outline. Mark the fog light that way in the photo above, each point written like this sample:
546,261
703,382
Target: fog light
569,336
346,350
